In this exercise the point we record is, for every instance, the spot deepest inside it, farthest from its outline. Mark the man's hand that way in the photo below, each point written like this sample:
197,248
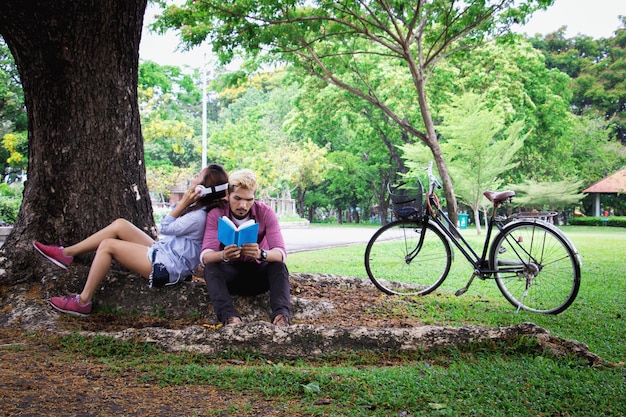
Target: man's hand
251,249
231,252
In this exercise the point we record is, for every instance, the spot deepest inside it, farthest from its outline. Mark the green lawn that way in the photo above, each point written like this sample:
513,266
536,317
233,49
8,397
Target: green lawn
482,380
597,317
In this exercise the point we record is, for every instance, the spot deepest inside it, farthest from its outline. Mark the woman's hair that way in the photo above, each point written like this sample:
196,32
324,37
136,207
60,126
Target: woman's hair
212,176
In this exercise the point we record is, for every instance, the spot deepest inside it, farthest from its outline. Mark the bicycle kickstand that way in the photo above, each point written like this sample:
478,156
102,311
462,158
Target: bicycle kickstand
463,290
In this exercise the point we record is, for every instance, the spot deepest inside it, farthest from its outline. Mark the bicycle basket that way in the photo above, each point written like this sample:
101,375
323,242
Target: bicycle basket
406,201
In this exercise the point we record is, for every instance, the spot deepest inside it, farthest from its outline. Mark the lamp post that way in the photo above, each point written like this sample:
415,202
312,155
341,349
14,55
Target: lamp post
204,105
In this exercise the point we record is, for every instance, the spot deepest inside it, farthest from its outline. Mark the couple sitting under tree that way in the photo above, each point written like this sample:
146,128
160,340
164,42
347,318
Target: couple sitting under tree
190,237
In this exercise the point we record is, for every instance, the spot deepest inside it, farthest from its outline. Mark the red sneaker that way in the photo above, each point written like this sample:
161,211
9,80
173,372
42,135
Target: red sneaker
54,254
70,304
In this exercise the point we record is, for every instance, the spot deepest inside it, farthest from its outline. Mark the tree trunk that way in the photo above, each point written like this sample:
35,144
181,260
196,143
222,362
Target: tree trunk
477,221
300,206
78,63
430,139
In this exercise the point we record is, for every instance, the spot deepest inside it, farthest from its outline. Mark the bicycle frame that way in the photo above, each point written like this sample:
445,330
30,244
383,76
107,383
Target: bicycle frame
434,214
479,262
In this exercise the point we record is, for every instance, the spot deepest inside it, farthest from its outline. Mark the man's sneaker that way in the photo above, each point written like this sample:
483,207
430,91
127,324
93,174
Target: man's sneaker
281,320
70,304
54,254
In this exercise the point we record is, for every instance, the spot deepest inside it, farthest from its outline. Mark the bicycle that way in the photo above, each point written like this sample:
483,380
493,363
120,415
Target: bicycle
534,264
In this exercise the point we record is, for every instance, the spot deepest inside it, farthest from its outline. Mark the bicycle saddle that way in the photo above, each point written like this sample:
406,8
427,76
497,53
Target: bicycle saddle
499,197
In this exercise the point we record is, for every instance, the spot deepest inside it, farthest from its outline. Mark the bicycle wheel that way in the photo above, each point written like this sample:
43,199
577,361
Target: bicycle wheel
538,269
408,258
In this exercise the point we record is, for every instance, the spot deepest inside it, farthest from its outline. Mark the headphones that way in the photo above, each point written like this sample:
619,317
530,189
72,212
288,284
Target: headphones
211,190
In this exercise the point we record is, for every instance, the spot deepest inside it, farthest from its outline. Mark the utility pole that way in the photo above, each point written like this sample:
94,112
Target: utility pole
204,104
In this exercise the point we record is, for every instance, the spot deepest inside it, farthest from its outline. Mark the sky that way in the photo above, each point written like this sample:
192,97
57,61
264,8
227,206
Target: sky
595,18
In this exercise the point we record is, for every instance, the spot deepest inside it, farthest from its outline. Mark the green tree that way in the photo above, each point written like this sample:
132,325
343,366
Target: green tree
12,109
598,70
169,99
347,185
513,77
594,154
304,165
342,122
12,115
479,146
251,132
338,41
554,195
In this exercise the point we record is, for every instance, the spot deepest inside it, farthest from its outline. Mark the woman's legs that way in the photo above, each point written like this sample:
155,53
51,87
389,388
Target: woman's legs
120,229
130,254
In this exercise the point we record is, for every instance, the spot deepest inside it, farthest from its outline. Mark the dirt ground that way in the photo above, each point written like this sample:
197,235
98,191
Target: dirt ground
37,378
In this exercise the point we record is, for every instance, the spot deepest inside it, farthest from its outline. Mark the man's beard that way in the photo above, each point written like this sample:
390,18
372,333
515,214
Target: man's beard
239,217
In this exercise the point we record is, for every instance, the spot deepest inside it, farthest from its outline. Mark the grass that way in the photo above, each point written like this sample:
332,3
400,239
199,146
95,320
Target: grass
481,380
597,317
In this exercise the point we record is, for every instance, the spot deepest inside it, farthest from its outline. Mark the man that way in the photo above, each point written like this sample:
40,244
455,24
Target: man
252,268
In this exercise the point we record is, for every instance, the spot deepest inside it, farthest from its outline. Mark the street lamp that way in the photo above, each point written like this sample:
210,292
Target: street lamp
204,105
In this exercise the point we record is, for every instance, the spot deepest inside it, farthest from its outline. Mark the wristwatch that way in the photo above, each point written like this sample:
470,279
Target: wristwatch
263,254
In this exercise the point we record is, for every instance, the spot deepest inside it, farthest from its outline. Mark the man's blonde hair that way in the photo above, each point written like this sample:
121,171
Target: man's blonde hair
244,178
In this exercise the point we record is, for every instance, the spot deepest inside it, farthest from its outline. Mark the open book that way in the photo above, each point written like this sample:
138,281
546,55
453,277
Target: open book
228,233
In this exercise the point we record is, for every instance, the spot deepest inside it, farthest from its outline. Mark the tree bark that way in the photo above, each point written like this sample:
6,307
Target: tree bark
78,63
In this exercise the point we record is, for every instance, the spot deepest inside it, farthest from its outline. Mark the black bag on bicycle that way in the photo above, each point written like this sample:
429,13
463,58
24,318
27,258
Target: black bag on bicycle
407,202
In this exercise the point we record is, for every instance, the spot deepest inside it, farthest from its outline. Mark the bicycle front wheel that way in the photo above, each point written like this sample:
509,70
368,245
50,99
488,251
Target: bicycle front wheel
408,258
537,269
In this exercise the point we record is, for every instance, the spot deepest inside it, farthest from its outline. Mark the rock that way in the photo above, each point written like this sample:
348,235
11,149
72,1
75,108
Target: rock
24,306
309,341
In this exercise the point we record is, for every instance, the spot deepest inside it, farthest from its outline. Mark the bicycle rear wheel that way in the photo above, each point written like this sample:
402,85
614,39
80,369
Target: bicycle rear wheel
537,267
408,258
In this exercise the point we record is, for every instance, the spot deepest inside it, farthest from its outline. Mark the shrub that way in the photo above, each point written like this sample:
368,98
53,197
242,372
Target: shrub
613,221
10,202
160,212
8,210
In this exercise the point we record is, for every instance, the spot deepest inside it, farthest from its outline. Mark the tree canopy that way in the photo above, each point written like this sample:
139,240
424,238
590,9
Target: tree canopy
339,42
598,71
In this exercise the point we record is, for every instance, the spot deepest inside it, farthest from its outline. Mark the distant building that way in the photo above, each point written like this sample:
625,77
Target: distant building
613,184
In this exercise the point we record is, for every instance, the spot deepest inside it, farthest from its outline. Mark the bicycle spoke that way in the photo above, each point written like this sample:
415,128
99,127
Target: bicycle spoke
537,270
406,258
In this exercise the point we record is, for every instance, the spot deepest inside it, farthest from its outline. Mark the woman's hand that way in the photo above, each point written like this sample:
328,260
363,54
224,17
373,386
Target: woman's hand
190,197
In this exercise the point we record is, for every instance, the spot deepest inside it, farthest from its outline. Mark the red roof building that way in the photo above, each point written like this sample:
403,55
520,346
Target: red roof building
614,184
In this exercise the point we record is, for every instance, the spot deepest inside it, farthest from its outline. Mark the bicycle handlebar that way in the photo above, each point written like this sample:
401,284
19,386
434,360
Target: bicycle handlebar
432,180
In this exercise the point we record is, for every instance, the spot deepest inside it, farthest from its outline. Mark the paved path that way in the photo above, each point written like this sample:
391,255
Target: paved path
318,237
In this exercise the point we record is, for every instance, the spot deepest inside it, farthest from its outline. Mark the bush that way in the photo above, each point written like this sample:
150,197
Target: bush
9,208
613,221
160,212
10,202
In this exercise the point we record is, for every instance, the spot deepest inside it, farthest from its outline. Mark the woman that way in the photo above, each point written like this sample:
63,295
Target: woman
163,262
